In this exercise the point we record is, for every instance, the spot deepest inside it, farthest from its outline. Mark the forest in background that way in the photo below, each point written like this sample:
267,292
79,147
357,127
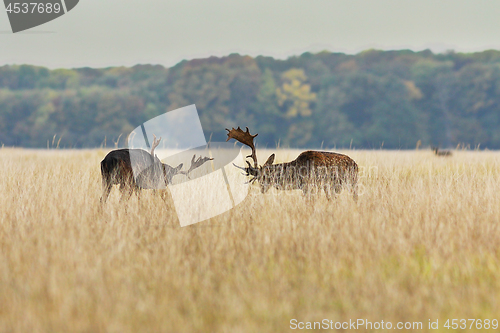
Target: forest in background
374,99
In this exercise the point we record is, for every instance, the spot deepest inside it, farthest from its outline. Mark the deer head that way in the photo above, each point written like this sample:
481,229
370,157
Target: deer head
168,171
247,139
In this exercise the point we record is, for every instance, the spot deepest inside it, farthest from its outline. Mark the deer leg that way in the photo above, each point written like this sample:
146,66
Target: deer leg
105,193
355,193
327,190
307,192
126,191
137,192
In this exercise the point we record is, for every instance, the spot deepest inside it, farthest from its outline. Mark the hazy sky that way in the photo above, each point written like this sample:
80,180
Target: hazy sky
101,33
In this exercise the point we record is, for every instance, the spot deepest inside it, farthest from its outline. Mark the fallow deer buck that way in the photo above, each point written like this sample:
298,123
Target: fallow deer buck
323,170
116,169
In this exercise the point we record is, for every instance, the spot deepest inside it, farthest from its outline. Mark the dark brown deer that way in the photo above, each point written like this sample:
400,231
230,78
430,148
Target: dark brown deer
312,169
440,152
116,169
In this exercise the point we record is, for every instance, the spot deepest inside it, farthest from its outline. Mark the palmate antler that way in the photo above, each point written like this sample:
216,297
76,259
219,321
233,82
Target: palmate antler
246,138
196,164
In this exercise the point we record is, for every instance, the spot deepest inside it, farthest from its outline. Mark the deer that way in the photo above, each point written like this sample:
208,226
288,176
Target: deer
310,169
116,169
439,152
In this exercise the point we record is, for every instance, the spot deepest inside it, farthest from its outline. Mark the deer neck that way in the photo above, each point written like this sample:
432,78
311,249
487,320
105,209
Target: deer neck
281,176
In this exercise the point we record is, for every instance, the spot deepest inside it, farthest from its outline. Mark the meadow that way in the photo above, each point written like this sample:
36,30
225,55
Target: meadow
421,243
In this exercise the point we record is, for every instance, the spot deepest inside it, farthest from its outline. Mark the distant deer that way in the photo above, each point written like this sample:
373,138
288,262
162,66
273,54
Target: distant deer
116,169
440,152
329,171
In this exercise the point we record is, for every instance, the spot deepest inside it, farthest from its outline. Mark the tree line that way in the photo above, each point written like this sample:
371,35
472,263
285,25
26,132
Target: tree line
374,99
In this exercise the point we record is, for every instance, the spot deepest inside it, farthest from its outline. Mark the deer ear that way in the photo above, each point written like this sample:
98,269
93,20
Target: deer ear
179,166
269,161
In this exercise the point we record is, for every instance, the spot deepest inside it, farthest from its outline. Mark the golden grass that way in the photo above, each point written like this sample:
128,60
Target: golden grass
421,243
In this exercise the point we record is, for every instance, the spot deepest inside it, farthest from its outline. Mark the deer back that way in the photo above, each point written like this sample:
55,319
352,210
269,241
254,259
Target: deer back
116,167
312,164
319,159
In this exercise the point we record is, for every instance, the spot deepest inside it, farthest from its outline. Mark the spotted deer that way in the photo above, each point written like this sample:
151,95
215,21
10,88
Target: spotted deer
116,169
310,170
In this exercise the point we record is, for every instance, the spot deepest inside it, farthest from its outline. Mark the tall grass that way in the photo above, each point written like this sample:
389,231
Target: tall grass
421,243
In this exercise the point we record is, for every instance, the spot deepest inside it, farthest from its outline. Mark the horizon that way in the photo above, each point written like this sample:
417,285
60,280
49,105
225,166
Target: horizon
260,55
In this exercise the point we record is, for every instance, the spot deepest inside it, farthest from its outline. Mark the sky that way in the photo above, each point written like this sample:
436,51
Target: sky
102,33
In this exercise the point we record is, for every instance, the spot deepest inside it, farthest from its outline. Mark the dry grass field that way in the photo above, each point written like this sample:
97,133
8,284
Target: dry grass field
421,243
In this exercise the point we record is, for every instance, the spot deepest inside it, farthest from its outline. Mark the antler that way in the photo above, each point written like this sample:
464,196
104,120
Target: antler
196,164
246,138
247,170
155,144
